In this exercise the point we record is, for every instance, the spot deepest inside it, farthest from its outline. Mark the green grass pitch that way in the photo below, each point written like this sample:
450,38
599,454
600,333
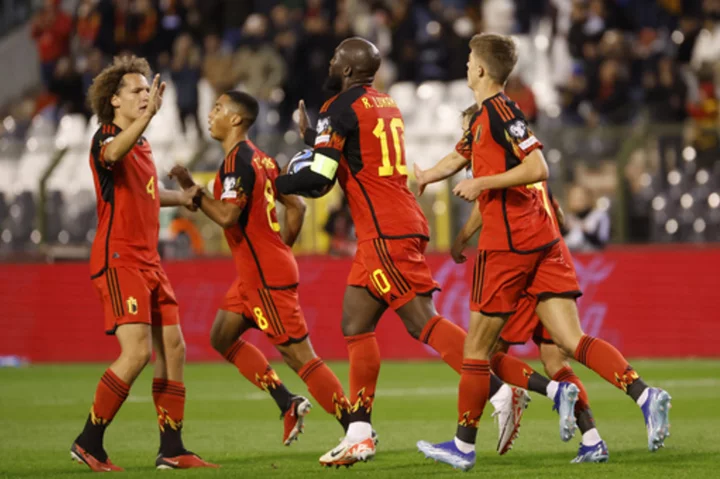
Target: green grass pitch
227,421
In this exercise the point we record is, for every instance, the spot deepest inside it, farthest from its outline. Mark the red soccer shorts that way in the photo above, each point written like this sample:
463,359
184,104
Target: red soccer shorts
131,295
525,324
393,271
501,278
276,312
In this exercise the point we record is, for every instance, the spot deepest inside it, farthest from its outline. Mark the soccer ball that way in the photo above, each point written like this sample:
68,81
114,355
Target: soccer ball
301,160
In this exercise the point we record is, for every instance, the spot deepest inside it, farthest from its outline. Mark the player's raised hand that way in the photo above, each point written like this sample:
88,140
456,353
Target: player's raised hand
420,179
303,118
468,189
156,93
183,177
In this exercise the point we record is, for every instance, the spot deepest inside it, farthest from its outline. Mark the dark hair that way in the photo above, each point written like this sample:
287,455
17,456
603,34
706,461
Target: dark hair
110,81
247,102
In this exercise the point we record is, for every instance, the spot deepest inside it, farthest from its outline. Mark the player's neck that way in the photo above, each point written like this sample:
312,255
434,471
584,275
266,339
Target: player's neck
357,82
489,91
123,122
232,140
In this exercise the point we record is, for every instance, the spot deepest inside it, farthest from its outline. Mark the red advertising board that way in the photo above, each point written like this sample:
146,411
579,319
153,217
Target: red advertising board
649,302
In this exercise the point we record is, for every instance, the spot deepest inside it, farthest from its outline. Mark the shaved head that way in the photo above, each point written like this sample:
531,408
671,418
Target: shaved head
356,61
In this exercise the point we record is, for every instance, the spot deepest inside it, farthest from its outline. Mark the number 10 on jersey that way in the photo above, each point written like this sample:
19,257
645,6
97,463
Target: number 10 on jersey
396,129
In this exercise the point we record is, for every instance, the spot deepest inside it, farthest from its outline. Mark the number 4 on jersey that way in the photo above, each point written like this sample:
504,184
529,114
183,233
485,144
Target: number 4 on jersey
396,128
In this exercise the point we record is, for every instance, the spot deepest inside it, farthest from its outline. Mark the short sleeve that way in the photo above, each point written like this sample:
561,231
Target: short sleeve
508,122
464,146
334,125
237,178
102,137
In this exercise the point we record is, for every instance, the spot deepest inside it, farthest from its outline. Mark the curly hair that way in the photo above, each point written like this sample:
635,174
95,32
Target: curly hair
109,82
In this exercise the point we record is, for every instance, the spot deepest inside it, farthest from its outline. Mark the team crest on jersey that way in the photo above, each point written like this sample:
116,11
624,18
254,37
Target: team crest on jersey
478,132
323,124
229,184
517,129
132,305
232,188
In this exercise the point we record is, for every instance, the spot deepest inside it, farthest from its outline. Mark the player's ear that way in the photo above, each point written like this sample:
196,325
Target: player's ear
115,101
236,120
347,71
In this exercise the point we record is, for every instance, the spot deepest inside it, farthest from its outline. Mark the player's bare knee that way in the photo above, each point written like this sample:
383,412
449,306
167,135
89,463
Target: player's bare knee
175,349
218,340
220,336
500,347
553,364
137,358
352,327
414,329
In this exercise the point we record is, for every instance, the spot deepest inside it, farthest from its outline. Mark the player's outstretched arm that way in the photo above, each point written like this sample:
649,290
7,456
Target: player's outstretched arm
224,213
445,168
531,170
126,139
177,198
294,216
471,226
320,174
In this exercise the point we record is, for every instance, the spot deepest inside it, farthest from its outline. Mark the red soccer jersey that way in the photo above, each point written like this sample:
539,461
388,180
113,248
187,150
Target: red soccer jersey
517,219
128,206
366,128
247,179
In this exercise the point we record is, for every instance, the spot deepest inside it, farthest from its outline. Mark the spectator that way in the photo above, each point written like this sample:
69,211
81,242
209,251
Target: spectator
340,228
185,74
87,25
611,102
665,93
523,95
67,86
704,113
51,29
588,226
707,47
217,66
259,66
94,66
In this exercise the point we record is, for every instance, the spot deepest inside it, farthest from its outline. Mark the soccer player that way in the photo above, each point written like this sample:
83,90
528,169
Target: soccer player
264,295
359,140
139,303
524,323
519,254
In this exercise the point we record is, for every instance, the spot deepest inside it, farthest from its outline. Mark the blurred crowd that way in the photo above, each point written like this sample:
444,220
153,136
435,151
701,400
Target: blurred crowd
583,63
608,57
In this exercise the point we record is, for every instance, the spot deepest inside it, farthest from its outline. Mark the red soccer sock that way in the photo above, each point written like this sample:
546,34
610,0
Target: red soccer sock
169,399
255,367
364,356
325,388
585,419
606,361
568,375
473,393
110,394
511,370
446,338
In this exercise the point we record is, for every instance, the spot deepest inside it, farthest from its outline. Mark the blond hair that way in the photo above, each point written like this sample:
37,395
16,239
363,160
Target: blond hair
110,81
498,54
